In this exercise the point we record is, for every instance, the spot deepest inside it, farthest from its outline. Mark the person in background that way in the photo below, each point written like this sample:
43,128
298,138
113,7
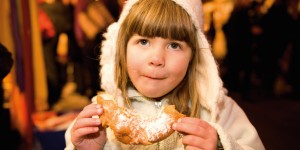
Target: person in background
238,61
151,59
60,48
293,69
71,32
276,35
91,18
8,135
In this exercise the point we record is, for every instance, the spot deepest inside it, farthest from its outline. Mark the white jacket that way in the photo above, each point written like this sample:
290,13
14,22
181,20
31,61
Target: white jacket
234,129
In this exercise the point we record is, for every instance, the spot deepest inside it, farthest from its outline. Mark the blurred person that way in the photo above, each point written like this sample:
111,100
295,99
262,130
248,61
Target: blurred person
59,46
72,32
276,35
91,19
216,14
8,135
293,71
238,61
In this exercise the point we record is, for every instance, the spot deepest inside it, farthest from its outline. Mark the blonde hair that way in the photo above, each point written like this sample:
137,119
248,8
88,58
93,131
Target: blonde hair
166,19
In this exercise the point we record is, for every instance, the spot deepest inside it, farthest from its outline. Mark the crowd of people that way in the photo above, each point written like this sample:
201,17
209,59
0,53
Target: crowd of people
262,42
71,35
255,43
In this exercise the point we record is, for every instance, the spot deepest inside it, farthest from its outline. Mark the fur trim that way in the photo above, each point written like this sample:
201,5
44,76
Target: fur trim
107,60
225,139
194,8
211,87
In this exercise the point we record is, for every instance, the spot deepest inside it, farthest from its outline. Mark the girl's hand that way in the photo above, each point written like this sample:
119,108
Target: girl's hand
198,134
87,132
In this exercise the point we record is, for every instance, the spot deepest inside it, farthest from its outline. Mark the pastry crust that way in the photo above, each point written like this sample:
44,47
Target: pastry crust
132,128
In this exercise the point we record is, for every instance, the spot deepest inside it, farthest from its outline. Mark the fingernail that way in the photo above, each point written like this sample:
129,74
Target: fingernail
96,129
98,121
174,125
99,110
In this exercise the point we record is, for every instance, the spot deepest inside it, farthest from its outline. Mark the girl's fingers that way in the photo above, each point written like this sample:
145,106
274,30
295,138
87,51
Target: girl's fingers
194,126
80,132
192,140
86,122
188,128
90,110
195,121
198,134
191,148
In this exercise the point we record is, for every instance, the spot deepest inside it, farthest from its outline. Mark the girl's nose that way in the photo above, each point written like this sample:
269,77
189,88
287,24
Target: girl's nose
157,57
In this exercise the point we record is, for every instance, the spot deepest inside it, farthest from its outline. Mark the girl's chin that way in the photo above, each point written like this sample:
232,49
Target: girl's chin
153,94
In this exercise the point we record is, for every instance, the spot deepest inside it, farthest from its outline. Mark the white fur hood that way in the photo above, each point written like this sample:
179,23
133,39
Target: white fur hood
211,86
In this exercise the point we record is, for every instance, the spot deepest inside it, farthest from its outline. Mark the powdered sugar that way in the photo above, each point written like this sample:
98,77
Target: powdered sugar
157,126
141,126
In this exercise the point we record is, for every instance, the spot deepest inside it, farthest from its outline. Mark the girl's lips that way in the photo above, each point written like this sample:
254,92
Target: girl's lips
154,78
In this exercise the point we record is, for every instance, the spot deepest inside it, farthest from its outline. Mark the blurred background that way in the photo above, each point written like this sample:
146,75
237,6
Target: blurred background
49,65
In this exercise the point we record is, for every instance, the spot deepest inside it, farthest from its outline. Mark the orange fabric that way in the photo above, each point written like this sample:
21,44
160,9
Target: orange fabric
19,112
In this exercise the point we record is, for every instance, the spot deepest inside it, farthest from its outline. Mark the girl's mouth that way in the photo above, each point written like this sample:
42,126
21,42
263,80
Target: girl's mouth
154,78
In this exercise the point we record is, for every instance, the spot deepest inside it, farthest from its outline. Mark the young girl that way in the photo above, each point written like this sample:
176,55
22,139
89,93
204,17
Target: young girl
156,55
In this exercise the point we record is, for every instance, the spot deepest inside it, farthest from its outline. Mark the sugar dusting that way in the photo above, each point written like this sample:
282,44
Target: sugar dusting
156,126
141,126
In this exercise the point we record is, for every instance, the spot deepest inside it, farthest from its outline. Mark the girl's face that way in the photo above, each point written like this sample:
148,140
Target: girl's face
156,65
